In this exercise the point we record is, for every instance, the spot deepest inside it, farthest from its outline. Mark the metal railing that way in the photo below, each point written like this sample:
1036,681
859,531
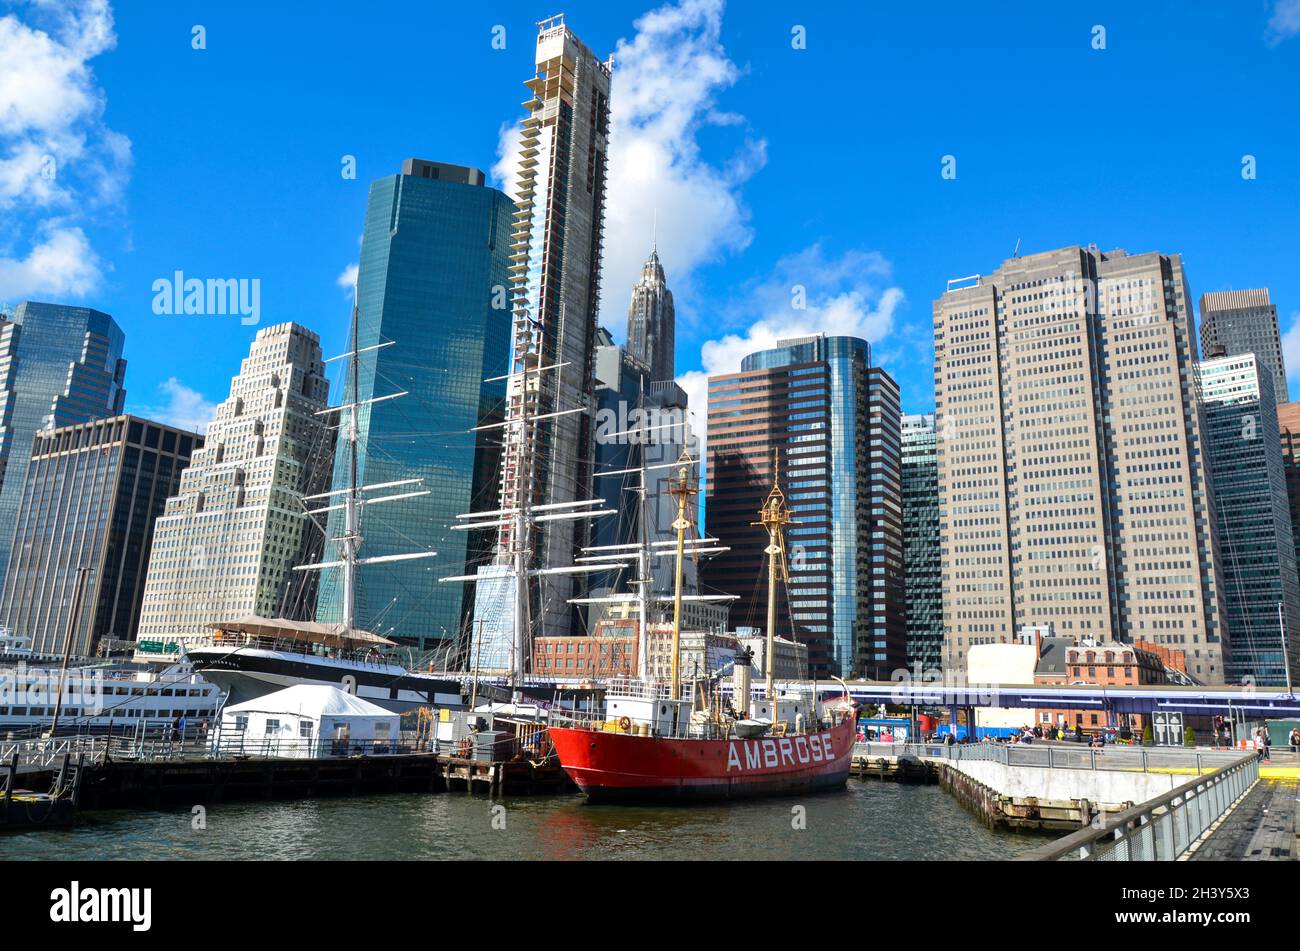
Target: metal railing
1061,756
1162,829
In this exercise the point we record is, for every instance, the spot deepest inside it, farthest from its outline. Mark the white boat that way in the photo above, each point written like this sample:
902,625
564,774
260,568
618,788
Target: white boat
103,696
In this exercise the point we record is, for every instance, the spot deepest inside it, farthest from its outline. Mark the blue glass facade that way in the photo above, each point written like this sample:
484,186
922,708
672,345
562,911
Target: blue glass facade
921,543
833,419
433,278
59,366
1253,517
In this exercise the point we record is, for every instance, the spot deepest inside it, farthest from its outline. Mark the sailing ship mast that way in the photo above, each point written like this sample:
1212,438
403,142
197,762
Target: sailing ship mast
354,499
684,491
774,516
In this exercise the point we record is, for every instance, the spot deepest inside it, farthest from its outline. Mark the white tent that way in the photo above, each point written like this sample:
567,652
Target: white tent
306,720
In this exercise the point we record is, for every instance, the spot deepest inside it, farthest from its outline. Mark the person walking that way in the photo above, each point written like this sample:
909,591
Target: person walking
1268,742
1294,740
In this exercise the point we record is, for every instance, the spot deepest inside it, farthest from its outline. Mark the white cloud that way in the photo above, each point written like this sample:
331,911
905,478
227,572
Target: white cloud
58,160
1285,21
182,406
62,265
807,293
348,278
665,86
666,83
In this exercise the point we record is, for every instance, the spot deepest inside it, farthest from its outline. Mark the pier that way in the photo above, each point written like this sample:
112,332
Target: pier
121,773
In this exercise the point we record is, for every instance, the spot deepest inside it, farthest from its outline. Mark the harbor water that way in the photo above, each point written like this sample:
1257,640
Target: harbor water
868,820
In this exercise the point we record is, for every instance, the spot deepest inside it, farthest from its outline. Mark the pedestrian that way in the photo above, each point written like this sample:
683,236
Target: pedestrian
1294,740
1268,743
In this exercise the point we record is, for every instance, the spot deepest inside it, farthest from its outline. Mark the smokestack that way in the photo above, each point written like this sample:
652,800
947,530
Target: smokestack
742,675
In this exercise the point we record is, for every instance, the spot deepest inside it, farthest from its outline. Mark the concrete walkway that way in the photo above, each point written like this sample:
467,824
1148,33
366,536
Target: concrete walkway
1262,828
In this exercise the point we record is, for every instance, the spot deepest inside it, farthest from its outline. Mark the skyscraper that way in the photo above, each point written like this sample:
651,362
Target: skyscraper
59,365
435,258
555,285
924,586
831,420
228,540
650,321
638,421
1072,482
1254,518
1245,322
92,495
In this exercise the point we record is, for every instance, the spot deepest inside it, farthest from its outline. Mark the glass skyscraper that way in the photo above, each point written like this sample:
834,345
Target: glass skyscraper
921,544
92,495
433,279
1254,517
832,418
59,365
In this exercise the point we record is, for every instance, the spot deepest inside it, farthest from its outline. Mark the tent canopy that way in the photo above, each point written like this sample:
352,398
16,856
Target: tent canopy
311,700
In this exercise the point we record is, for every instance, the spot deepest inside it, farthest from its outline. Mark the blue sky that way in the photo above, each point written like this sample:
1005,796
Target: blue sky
770,166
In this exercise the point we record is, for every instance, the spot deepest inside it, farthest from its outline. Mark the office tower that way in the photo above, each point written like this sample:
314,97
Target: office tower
227,542
59,365
434,324
650,321
924,588
1245,322
1072,486
637,422
555,289
818,407
93,492
1288,421
1256,547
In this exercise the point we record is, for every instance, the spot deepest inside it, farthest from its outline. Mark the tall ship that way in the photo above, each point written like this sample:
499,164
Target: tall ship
652,743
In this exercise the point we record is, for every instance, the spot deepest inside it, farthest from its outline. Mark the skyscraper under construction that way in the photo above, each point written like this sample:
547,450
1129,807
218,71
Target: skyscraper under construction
555,287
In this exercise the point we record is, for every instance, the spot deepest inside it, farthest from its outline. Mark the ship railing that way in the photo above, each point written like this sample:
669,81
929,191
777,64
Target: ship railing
369,657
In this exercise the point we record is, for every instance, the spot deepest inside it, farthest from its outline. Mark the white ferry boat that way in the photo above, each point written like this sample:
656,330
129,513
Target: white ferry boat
98,696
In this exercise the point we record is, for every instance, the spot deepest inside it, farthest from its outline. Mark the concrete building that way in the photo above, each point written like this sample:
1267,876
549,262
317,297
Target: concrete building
435,259
1073,488
59,365
1256,544
637,421
702,652
923,584
791,656
233,530
831,419
651,320
92,495
555,289
1245,322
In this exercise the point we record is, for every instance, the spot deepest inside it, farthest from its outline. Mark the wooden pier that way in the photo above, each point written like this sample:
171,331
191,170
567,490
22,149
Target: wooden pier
153,783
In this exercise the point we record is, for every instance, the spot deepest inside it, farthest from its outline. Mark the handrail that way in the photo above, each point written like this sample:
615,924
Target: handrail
1162,828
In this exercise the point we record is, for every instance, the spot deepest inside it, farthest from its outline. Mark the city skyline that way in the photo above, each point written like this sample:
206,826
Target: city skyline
727,182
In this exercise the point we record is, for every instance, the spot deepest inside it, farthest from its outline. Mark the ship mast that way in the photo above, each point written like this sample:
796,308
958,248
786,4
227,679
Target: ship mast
349,541
684,491
774,516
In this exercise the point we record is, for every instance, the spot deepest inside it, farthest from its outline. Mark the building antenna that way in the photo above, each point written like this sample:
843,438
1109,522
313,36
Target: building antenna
654,233
1016,252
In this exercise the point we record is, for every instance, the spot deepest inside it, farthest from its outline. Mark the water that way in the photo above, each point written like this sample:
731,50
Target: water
868,820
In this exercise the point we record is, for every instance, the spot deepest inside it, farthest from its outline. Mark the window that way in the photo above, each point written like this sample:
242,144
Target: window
304,729
241,723
272,726
382,730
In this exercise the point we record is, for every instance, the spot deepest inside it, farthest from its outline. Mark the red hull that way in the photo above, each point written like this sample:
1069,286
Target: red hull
623,767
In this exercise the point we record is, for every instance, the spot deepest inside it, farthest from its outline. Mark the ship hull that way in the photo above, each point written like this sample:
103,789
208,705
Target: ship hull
623,768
